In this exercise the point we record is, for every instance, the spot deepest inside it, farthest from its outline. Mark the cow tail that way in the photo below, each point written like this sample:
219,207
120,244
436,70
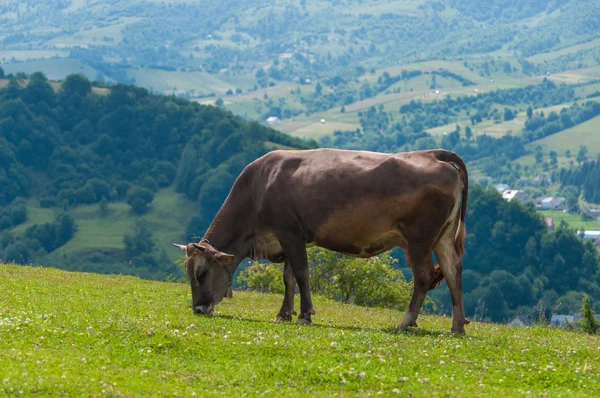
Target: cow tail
461,231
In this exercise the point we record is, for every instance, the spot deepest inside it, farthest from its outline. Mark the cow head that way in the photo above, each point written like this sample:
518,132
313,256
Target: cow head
209,276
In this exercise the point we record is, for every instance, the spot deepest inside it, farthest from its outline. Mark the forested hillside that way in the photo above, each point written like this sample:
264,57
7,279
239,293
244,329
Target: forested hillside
81,146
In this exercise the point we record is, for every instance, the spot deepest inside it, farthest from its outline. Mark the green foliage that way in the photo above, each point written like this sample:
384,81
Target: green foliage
122,143
140,242
76,85
367,282
587,176
50,236
262,277
588,322
139,198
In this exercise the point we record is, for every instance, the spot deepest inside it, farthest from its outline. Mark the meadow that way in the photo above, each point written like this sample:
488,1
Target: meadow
571,139
77,334
98,229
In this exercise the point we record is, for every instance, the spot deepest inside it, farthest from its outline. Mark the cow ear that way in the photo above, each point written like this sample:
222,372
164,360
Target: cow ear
201,248
224,259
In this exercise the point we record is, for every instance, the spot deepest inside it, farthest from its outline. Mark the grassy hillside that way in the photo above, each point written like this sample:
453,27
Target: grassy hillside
98,229
571,139
83,334
574,220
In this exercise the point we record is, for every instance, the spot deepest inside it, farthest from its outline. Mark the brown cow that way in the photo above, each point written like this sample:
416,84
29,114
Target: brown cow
353,202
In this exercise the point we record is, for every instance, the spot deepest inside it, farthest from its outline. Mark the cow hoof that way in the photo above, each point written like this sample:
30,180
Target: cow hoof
304,321
460,330
467,321
285,316
402,328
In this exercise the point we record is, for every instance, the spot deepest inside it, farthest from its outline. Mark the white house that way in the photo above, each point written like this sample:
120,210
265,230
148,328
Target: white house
563,320
271,120
554,203
514,194
502,187
590,234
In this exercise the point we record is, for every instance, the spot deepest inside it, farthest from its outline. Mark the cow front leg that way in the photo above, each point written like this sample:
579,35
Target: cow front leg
422,274
295,252
287,307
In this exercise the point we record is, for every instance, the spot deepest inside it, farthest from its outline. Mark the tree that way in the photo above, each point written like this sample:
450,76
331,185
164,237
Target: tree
588,321
103,205
553,158
508,114
65,229
76,84
468,133
139,198
141,241
318,88
529,112
1,73
582,154
219,102
539,155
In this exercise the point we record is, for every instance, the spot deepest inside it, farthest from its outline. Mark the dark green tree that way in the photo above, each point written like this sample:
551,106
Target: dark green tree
139,198
588,322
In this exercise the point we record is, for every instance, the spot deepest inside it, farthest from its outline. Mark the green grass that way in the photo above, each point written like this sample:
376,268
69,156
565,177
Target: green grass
168,217
586,133
53,68
74,334
574,220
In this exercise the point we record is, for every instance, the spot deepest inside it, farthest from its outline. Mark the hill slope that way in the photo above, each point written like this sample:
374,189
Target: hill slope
83,334
81,167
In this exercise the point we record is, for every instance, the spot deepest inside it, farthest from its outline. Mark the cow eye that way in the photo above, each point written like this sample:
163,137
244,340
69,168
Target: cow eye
202,274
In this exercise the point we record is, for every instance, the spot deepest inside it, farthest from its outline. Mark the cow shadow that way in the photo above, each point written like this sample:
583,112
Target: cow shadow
392,330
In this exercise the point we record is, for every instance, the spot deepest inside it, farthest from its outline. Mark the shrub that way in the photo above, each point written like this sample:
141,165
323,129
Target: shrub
263,277
139,198
367,282
588,322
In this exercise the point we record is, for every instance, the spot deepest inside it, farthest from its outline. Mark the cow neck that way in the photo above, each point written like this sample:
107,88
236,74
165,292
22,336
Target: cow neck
227,234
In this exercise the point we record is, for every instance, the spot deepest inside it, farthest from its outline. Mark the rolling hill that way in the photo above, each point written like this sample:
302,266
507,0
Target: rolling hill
98,178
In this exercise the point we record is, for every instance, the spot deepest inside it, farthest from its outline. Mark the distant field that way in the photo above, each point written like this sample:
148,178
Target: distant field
180,82
578,75
587,134
493,129
539,58
28,55
53,68
574,220
452,66
168,217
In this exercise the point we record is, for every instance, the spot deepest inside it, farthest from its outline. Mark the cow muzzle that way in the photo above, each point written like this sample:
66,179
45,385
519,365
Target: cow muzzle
204,309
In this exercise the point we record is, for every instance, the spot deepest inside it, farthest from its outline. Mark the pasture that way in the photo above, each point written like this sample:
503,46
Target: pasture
574,220
76,334
571,139
97,229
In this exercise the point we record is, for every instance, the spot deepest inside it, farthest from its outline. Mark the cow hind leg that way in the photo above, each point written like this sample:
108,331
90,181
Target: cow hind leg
422,266
451,267
287,307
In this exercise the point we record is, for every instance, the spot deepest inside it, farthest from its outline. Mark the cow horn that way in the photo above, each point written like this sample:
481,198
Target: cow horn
180,247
